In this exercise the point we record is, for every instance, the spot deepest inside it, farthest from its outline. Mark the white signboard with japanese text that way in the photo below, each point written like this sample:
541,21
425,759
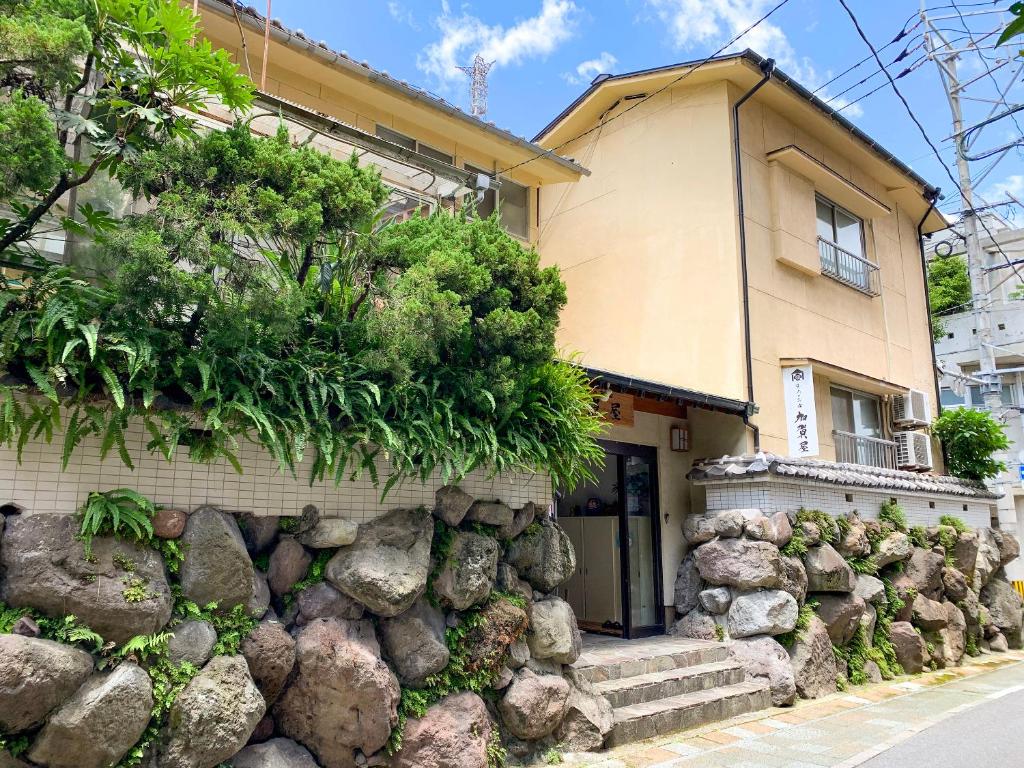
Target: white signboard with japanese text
801,418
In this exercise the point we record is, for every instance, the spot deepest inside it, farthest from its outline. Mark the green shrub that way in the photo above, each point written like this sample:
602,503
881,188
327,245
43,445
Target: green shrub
803,621
919,537
971,438
118,512
828,526
954,522
892,513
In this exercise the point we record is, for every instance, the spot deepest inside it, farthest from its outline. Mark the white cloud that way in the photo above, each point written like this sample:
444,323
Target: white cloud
693,23
401,14
1011,185
591,68
464,36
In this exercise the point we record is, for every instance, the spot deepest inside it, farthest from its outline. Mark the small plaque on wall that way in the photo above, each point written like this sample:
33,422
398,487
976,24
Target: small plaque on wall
618,409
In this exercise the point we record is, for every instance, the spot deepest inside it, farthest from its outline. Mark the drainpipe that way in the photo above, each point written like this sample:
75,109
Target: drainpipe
932,196
767,68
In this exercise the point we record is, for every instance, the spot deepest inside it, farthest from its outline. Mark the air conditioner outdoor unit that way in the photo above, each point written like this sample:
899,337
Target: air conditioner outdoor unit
911,409
913,450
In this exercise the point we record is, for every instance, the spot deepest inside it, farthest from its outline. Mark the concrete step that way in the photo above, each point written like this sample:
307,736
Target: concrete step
625,691
689,710
643,658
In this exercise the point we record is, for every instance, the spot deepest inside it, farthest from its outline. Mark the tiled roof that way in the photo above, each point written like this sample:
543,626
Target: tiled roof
761,464
251,15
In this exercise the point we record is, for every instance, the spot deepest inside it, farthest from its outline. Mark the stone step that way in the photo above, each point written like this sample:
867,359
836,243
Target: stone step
639,689
643,658
636,722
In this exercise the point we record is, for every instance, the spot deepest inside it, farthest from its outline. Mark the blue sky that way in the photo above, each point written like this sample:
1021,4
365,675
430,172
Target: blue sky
547,51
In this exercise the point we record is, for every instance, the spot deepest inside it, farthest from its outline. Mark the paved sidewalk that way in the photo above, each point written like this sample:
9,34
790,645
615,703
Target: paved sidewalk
840,731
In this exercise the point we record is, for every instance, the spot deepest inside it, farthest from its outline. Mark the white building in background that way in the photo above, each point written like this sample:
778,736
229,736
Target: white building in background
957,354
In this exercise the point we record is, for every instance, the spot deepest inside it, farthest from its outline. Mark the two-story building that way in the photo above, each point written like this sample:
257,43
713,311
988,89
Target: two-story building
745,281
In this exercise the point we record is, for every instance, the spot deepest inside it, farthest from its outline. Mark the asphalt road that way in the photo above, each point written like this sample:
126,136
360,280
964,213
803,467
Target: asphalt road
990,735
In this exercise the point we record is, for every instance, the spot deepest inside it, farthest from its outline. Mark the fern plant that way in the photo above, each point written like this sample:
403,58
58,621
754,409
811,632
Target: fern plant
119,512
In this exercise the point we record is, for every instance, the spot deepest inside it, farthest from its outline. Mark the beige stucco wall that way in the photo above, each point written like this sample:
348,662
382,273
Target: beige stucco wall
647,245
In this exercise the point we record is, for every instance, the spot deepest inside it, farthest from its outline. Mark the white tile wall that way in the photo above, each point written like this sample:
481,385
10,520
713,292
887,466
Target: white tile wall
37,484
774,495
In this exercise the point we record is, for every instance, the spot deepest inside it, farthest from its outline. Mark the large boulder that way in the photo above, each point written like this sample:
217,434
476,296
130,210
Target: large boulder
740,563
259,597
386,567
414,643
553,632
767,612
988,558
954,584
467,575
502,624
521,520
870,589
1009,547
192,641
289,564
716,600
727,523
697,624
952,637
35,677
841,615
491,513
322,601
1003,604
451,504
924,569
533,705
329,533
965,553
782,529
893,548
259,531
217,567
763,658
688,585
854,543
454,733
827,571
97,726
909,646
697,530
213,716
543,556
343,697
814,663
270,653
588,719
43,566
276,753
794,578
928,614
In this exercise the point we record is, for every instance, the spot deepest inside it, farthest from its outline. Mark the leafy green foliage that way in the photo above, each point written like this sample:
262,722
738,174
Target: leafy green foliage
117,512
314,575
918,536
803,621
553,757
949,289
954,522
797,545
827,525
232,626
971,438
15,745
1015,27
67,629
892,513
865,565
29,163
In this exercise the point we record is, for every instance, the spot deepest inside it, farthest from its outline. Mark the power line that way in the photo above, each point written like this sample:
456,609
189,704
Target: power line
647,97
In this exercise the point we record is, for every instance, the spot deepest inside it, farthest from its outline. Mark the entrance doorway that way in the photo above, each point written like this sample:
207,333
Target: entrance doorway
614,526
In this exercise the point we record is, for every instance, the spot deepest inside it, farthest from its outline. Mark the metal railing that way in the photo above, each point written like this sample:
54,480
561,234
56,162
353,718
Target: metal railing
869,451
849,268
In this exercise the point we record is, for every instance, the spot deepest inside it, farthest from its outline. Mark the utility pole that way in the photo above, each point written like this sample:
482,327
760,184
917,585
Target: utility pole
945,55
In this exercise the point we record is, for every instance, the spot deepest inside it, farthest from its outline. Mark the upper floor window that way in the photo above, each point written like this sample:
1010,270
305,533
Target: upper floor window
841,247
415,146
513,202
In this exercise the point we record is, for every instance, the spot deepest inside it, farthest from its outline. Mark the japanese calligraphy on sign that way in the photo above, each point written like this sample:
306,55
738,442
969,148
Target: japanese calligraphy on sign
618,409
801,417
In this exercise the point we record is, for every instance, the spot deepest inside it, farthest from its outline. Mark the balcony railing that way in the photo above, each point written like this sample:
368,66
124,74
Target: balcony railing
869,451
848,268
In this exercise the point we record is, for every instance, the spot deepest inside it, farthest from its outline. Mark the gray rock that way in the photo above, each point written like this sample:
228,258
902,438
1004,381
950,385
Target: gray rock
289,564
43,566
490,513
259,598
192,641
217,567
924,569
741,563
518,654
841,615
814,663
414,643
727,523
1004,608
759,528
698,625
26,626
893,548
928,614
343,697
533,705
451,504
521,520
36,676
827,571
869,588
909,646
688,585
763,658
998,644
97,726
988,557
1009,547
769,612
508,581
697,530
213,716
543,557
954,584
811,533
965,553
329,533
270,653
588,720
454,733
716,601
386,567
467,576
868,621
872,672
794,577
952,637
855,542
259,532
322,601
553,632
276,753
783,529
